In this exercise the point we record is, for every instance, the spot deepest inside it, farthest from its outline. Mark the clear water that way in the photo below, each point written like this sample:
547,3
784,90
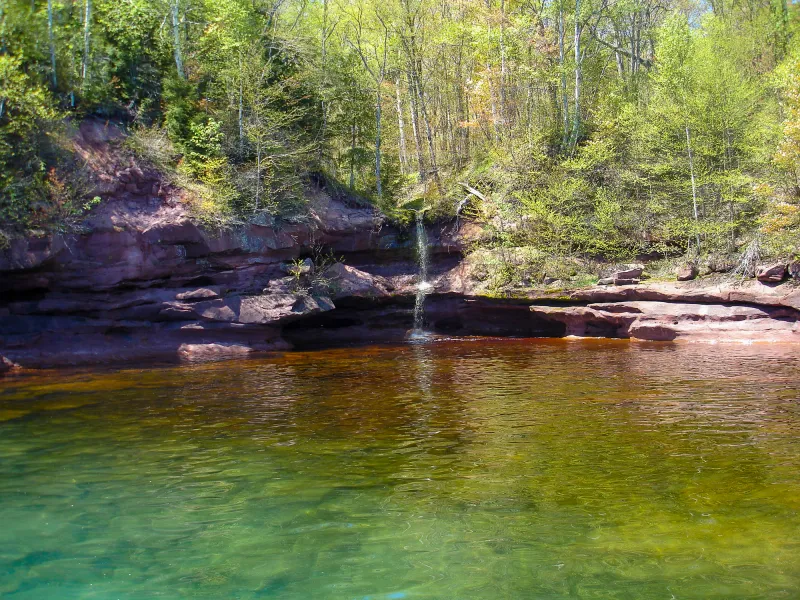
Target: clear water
453,470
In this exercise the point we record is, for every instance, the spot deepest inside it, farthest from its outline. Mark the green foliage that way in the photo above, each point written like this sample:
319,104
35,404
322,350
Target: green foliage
26,116
310,276
669,131
180,98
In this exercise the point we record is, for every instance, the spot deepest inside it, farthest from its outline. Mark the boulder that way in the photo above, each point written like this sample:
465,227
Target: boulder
605,281
307,266
720,264
182,231
6,365
199,294
629,272
212,351
686,273
772,273
794,270
273,309
626,281
349,282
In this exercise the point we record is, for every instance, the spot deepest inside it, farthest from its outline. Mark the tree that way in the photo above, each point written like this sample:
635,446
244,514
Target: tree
370,39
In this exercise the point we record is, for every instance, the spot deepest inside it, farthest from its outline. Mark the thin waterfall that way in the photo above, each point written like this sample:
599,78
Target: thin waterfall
423,285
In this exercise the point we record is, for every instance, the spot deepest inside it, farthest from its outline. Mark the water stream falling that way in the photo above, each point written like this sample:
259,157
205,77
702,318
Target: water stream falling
423,285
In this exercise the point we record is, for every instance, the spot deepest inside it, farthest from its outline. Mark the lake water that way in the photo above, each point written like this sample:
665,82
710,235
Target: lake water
476,469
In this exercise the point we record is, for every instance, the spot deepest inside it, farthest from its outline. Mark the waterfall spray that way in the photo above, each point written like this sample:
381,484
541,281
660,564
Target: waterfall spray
423,285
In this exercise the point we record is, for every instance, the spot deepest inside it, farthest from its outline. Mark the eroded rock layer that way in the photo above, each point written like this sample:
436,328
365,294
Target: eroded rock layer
147,282
667,321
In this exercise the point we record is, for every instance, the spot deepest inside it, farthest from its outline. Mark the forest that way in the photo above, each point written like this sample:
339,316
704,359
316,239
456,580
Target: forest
602,129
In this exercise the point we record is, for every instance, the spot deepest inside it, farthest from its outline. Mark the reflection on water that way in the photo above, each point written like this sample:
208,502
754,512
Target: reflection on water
478,469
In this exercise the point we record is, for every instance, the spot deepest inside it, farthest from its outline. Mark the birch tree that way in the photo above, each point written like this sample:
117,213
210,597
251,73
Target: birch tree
87,24
369,37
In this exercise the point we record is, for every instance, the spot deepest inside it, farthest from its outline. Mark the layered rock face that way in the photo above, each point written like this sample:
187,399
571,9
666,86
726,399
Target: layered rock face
170,288
147,282
740,312
665,321
165,288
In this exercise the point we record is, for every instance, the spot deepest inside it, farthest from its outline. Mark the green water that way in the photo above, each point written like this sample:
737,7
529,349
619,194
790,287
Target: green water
452,470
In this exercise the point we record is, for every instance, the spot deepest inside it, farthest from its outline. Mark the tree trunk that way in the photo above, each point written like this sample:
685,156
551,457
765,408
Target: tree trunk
503,92
324,105
415,126
429,135
87,19
562,65
618,54
463,111
378,142
241,105
492,102
401,128
176,35
255,106
634,62
694,186
353,156
576,116
638,44
258,169
51,39
3,48
426,120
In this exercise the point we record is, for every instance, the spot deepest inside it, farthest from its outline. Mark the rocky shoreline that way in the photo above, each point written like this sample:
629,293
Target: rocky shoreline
744,312
167,288
172,290
146,281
